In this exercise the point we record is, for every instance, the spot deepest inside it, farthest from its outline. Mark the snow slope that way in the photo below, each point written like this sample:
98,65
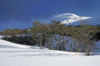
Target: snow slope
71,18
19,55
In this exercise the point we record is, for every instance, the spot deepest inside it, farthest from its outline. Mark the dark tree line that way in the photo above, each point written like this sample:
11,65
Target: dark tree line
57,36
61,37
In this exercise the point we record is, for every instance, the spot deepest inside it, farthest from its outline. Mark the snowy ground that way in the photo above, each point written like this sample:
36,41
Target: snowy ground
19,55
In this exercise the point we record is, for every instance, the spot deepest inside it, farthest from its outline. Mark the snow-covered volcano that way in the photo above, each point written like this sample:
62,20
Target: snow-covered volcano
70,18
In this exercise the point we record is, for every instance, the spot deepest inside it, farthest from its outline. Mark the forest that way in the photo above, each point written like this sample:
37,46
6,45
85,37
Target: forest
57,36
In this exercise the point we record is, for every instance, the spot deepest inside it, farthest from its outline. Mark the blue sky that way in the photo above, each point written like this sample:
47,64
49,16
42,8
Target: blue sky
22,13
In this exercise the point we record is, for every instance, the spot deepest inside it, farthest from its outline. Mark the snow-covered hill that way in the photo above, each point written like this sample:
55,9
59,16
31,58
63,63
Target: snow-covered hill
73,19
70,18
12,54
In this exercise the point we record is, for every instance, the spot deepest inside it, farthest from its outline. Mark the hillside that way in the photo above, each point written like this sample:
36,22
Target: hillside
19,55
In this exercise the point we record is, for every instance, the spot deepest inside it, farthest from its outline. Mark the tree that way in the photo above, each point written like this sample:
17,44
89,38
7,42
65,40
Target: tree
39,30
84,37
1,33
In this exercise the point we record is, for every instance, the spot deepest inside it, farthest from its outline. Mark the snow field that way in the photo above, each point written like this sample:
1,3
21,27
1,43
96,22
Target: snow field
12,54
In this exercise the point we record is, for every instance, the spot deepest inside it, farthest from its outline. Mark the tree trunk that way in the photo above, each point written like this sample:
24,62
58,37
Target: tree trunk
71,46
41,42
52,42
63,43
88,53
